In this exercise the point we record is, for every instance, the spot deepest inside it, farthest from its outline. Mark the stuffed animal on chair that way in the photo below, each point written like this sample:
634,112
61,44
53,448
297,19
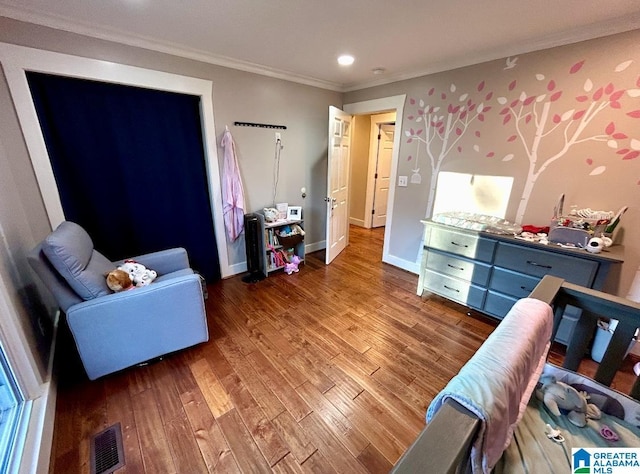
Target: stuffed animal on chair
140,275
558,396
119,280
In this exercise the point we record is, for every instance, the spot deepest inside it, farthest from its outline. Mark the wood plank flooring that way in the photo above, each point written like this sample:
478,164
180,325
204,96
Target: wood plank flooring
327,370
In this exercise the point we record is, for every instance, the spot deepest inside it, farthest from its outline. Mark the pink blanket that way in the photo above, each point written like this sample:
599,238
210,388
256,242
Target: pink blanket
498,380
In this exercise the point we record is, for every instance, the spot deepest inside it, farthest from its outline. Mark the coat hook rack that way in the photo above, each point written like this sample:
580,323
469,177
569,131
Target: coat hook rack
259,125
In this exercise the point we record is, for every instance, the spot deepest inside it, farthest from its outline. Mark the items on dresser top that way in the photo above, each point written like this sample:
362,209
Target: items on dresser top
490,272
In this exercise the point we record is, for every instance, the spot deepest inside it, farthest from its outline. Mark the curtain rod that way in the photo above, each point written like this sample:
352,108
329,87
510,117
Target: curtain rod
259,125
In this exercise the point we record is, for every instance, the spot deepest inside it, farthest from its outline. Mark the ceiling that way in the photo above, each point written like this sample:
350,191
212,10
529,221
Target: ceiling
299,40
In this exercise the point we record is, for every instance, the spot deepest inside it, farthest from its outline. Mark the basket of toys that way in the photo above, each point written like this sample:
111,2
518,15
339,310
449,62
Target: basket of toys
290,236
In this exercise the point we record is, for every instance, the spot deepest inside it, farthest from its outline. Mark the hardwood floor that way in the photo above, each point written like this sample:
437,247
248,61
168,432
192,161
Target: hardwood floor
327,370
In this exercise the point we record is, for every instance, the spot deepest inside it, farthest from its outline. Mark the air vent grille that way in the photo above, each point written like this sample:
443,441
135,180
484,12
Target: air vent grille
107,454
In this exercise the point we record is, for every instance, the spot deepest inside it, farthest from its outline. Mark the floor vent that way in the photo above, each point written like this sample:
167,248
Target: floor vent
107,454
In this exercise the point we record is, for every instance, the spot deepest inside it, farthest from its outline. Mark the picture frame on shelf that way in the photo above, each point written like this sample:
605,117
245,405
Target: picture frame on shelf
294,213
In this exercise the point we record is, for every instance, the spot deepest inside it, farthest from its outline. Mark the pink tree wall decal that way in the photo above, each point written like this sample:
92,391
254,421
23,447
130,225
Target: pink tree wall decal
540,119
440,122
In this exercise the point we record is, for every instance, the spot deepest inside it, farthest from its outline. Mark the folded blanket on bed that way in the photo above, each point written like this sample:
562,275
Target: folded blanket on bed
498,380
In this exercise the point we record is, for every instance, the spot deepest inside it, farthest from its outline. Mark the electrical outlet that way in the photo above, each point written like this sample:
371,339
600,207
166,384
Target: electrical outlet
278,137
402,181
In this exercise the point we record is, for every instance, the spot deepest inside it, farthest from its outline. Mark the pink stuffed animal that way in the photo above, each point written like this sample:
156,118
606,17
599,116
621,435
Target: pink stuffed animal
292,266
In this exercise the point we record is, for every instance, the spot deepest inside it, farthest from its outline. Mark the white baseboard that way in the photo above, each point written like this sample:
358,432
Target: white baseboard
358,222
237,268
407,265
314,247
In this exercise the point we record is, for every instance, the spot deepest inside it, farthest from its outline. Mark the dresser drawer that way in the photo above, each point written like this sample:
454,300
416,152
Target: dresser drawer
454,289
460,243
514,284
475,272
497,304
539,263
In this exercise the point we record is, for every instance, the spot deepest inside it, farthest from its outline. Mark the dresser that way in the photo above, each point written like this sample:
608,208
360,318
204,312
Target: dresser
490,272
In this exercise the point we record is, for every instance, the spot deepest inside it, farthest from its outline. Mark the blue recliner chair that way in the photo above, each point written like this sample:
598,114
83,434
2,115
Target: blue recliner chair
113,331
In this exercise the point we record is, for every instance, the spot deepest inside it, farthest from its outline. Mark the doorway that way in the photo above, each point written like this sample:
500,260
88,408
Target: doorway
393,109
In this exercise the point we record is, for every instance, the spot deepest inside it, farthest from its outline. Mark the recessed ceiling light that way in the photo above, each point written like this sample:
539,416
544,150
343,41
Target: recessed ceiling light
345,60
378,70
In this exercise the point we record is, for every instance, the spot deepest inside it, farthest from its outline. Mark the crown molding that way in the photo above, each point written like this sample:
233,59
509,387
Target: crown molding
117,36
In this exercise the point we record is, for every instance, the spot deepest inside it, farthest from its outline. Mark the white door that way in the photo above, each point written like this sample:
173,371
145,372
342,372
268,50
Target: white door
338,182
383,174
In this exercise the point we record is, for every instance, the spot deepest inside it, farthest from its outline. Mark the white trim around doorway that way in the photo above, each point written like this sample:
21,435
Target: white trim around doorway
17,60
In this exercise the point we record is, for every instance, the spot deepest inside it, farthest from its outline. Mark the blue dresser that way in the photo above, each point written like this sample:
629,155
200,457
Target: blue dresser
489,272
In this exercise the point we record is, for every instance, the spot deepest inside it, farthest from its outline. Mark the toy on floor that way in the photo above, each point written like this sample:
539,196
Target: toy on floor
140,275
292,266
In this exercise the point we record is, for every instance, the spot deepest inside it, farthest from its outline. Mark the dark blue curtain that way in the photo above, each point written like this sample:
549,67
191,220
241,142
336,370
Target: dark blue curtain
130,167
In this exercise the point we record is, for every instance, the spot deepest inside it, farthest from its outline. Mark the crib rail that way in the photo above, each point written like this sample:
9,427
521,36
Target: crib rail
448,437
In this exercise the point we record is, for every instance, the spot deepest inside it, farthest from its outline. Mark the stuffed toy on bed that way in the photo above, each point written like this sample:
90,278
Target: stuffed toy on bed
558,396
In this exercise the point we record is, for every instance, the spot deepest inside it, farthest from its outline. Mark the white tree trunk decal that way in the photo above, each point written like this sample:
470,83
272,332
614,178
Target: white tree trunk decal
535,121
441,131
540,121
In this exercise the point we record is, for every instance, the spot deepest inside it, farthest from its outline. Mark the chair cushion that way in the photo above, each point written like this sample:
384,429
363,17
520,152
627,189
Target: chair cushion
70,251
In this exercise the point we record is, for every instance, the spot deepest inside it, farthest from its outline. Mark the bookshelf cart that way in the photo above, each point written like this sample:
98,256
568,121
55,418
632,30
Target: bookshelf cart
272,244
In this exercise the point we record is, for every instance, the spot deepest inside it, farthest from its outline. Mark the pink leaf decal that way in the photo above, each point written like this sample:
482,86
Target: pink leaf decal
419,132
441,130
459,149
578,115
458,131
443,96
412,131
610,129
576,67
477,133
455,109
631,156
487,109
504,111
481,86
420,112
582,98
472,107
490,154
514,103
589,161
431,91
512,85
529,99
619,136
615,105
410,117
609,89
555,96
409,158
556,118
623,151
481,117
412,102
450,108
527,119
551,85
638,82
634,114
506,119
463,115
512,138
488,96
598,94
616,95
409,140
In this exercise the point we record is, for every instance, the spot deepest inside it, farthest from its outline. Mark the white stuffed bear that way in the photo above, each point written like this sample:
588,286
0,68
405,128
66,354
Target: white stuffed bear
140,275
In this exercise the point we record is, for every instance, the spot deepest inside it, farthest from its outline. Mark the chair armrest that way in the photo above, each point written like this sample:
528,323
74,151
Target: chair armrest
444,446
123,329
164,261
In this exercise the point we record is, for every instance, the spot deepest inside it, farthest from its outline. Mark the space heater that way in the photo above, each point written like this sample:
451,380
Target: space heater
253,245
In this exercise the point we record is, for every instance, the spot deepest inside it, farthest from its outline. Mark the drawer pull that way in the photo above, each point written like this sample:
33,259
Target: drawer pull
454,267
538,264
451,289
459,245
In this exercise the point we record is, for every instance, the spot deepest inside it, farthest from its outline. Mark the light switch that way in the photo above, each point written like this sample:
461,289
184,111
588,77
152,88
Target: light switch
402,181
